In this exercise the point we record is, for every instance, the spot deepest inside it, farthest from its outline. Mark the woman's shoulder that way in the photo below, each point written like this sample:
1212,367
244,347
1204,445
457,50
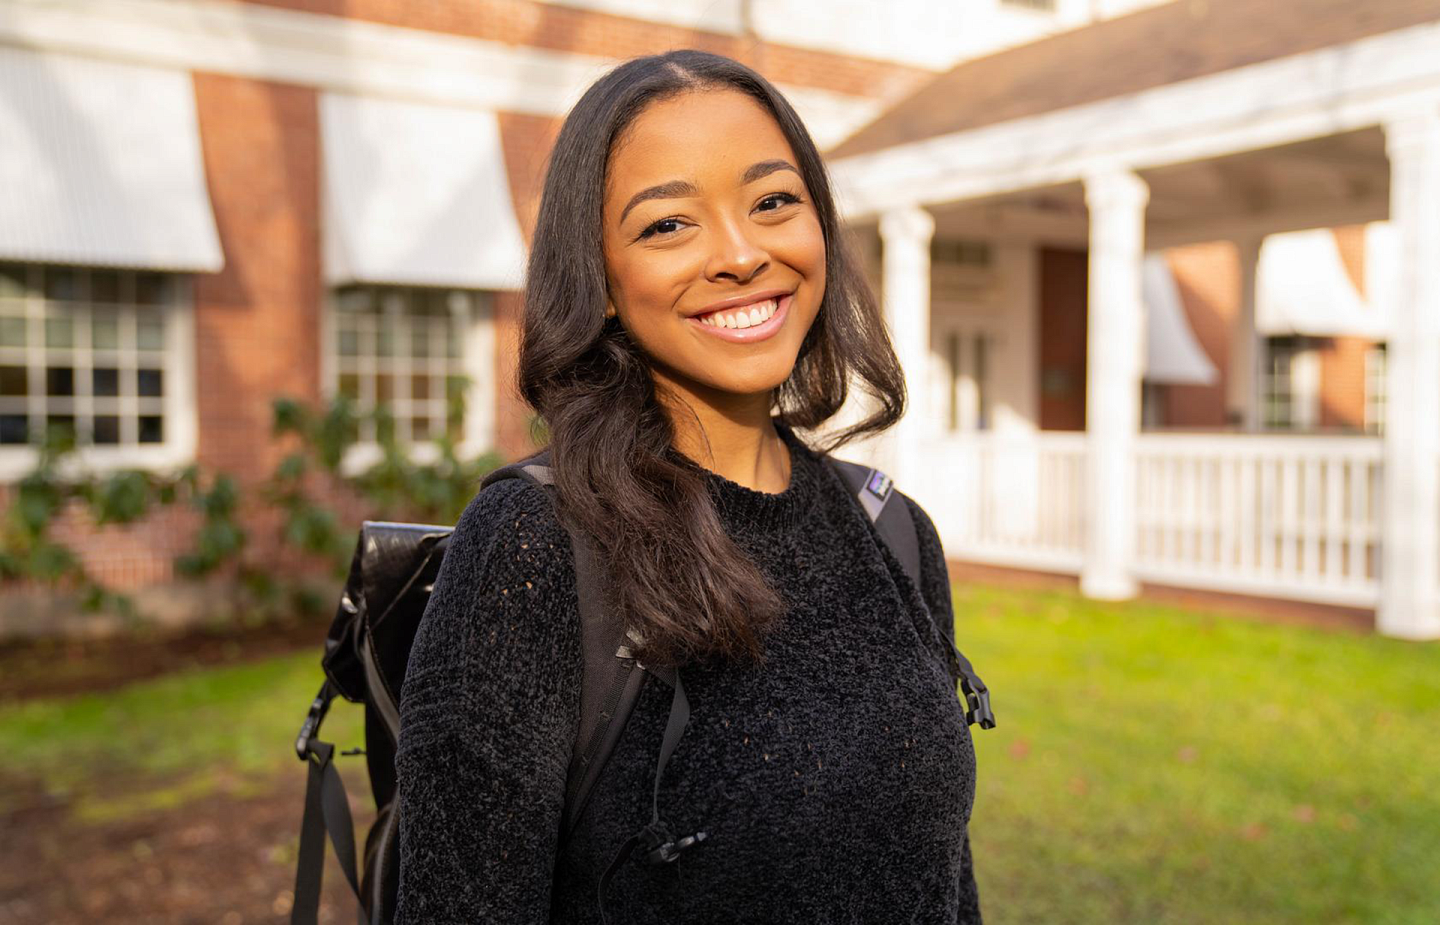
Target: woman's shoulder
509,555
505,595
510,523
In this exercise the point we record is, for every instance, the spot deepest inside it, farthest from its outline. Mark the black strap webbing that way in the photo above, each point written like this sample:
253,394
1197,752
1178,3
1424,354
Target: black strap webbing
893,521
327,809
659,843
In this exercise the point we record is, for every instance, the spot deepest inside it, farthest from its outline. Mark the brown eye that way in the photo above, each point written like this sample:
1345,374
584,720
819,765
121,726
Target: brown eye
780,199
663,226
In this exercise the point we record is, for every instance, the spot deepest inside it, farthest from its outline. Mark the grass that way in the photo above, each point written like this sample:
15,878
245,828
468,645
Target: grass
1157,765
158,743
1151,764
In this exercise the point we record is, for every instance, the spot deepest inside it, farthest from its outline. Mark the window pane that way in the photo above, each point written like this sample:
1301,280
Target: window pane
14,380
12,331
13,428
105,286
12,281
60,380
151,429
107,429
60,426
403,363
105,382
62,284
149,331
59,331
356,300
148,382
152,288
104,331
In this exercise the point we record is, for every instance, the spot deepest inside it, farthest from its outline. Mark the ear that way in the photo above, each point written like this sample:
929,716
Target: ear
609,309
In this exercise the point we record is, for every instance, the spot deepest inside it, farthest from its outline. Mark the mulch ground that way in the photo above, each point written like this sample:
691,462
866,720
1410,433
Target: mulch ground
223,859
59,667
227,858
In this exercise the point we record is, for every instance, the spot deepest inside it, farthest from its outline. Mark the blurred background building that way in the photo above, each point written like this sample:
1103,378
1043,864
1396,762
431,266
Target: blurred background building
1163,276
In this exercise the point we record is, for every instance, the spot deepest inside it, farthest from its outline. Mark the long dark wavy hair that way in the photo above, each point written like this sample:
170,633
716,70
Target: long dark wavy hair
648,515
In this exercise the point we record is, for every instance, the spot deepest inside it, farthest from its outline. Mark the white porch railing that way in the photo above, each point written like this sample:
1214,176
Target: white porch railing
1285,516
1291,516
1008,500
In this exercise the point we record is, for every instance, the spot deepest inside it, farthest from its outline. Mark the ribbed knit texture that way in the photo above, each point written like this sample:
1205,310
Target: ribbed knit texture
835,782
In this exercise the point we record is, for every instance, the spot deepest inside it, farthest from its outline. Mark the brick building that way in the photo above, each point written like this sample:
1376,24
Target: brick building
210,204
225,201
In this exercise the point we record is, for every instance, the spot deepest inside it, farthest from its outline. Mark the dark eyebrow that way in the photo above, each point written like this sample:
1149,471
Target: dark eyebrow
766,168
677,188
672,190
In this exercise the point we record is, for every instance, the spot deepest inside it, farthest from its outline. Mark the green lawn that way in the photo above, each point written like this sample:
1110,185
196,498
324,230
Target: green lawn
1151,765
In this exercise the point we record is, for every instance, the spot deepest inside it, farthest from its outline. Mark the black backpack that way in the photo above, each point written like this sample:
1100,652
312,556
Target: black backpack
368,645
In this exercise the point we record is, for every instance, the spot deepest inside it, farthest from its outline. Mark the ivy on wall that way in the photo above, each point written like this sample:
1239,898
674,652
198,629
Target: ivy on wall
431,484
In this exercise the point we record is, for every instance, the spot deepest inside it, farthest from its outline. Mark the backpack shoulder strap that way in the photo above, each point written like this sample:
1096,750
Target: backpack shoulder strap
873,489
610,686
896,525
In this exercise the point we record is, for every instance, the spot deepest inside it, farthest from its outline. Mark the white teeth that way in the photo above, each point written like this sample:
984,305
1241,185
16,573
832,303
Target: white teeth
759,313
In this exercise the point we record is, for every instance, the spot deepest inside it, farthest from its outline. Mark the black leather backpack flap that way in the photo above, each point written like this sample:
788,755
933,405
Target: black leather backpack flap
390,579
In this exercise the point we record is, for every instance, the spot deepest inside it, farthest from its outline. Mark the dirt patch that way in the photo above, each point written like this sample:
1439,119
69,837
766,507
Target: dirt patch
225,859
59,667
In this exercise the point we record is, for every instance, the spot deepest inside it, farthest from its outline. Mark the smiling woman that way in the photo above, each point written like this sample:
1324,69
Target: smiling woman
690,306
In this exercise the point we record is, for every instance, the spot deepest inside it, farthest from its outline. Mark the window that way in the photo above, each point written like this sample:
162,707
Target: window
1375,356
405,348
94,352
1291,388
968,392
961,252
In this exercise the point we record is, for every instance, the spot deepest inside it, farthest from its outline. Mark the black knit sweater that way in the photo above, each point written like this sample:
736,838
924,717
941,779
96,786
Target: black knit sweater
835,783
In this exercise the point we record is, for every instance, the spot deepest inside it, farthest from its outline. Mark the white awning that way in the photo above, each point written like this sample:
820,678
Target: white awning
100,164
1172,355
1301,287
416,194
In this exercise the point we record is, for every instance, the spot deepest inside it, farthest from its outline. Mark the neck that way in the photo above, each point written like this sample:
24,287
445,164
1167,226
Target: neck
734,437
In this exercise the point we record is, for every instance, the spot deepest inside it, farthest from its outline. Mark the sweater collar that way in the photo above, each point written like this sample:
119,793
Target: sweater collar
745,510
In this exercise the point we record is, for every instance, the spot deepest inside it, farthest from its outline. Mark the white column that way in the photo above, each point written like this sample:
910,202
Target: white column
905,235
1244,376
1114,363
1410,538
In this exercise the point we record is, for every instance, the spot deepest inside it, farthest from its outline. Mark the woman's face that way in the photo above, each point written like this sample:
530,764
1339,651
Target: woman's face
709,229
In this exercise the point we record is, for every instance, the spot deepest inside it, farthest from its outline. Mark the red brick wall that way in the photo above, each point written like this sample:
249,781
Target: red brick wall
1342,383
1064,279
257,321
1208,277
558,28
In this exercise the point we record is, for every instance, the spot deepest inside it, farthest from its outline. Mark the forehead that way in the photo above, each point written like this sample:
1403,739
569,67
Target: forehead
696,135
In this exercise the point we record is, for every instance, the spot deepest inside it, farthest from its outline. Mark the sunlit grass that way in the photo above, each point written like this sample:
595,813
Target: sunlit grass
1153,764
158,743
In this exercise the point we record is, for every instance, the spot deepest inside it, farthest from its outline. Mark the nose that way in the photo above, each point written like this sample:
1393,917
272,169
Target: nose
734,255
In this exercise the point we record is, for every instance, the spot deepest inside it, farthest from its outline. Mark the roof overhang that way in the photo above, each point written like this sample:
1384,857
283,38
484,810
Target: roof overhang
1338,89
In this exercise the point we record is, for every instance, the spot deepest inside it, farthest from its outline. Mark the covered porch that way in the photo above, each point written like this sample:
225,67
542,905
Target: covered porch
995,244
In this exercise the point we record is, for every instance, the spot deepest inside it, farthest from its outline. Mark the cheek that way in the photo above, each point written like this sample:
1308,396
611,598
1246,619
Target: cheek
802,246
650,281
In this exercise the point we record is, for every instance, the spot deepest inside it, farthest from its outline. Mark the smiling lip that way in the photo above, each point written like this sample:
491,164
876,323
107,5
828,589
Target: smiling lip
761,331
